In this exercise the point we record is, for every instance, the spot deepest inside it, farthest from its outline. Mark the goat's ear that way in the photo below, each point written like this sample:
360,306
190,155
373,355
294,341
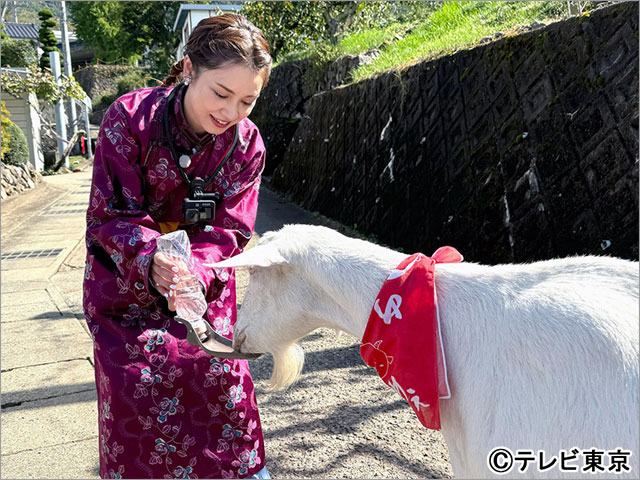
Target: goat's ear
258,256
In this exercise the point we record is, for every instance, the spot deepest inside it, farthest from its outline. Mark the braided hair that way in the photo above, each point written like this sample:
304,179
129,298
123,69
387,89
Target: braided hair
175,71
225,39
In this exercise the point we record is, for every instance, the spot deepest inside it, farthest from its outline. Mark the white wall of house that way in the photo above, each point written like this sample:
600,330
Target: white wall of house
27,119
195,13
193,17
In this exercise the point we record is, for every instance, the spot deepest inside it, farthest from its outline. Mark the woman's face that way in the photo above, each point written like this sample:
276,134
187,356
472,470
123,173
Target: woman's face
218,99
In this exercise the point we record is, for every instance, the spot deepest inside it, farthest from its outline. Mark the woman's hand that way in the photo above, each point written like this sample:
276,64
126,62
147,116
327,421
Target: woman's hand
165,275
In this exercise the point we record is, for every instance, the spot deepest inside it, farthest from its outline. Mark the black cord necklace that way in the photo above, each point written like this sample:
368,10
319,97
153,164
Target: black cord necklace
174,154
200,206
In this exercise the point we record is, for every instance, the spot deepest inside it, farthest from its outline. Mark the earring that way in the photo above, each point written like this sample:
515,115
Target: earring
187,80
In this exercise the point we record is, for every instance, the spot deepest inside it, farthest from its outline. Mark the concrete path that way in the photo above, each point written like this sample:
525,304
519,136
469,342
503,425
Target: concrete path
49,414
338,421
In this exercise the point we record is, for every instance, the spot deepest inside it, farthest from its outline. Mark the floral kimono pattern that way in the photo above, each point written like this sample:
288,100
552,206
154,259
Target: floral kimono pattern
167,409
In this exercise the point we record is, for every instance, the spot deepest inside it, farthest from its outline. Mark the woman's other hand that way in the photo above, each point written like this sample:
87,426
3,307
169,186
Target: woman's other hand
165,274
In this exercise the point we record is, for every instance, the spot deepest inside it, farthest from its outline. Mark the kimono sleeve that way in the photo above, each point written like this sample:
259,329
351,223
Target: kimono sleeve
120,234
231,230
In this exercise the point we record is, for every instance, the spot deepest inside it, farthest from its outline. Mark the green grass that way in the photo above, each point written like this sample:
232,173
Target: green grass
368,39
75,160
457,25
454,26
352,44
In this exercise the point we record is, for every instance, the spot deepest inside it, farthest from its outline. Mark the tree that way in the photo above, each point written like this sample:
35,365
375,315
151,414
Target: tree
293,26
17,53
18,148
99,24
128,30
47,37
288,26
41,83
150,26
27,12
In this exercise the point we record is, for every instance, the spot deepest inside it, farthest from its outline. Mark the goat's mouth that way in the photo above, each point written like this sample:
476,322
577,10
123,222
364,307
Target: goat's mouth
215,344
239,338
219,346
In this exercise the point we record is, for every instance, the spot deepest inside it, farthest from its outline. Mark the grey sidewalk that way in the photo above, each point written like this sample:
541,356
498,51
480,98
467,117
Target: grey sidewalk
338,421
48,391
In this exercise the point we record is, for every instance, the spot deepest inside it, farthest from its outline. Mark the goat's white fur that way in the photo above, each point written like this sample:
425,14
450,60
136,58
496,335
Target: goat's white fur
540,356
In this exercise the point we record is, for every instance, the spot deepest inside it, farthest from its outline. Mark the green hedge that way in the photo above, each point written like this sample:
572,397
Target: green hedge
6,136
18,152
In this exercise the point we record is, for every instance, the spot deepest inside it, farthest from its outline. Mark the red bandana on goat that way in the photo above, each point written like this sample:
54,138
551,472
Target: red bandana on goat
403,342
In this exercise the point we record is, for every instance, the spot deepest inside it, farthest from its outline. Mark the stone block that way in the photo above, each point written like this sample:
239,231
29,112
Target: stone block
615,204
45,308
537,97
49,422
600,176
46,381
75,459
24,297
36,342
591,125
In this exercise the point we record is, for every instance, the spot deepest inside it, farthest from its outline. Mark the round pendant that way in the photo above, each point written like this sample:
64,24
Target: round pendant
185,161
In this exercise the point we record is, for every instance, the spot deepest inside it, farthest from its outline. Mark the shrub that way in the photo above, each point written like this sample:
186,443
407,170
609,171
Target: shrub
6,136
131,81
18,152
18,53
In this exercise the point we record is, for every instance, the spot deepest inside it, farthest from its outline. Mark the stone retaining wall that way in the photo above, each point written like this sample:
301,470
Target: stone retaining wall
280,108
16,179
525,148
96,80
282,102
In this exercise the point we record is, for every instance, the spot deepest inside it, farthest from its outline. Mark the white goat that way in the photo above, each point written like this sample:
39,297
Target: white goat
542,356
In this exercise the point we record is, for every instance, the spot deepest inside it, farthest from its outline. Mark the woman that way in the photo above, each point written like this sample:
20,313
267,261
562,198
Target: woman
167,409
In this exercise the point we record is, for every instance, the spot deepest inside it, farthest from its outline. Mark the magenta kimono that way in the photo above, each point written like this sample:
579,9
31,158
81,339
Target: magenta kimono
167,409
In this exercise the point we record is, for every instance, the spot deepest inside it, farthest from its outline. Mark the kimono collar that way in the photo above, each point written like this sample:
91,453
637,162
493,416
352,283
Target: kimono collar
183,133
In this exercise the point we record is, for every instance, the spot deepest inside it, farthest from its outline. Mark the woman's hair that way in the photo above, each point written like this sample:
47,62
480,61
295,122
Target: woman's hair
225,39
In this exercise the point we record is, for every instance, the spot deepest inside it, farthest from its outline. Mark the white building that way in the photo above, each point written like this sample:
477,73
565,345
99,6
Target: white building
189,16
23,112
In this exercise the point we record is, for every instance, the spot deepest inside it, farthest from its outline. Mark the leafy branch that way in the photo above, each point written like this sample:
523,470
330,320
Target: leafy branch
41,83
44,86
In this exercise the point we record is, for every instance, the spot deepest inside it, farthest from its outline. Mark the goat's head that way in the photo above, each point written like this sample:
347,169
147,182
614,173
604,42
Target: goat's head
281,306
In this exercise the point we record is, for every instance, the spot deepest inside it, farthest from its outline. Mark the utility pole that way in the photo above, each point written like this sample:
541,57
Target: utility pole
15,12
61,124
66,52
